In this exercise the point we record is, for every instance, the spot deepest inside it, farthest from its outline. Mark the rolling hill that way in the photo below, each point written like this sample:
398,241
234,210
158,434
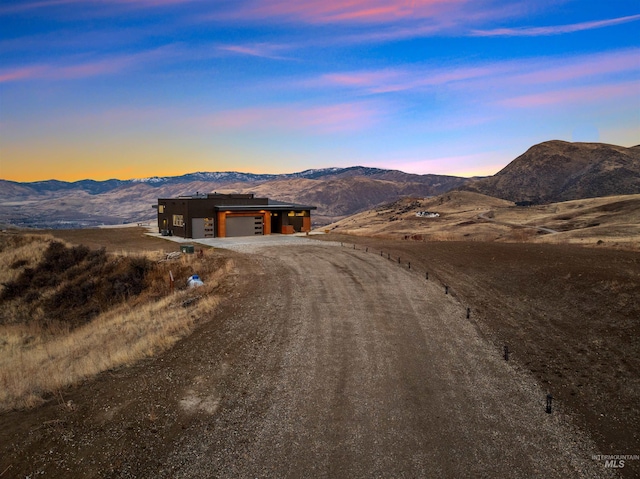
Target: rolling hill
560,171
469,216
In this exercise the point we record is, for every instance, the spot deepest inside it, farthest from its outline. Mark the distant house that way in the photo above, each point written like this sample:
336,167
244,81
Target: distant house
427,214
220,215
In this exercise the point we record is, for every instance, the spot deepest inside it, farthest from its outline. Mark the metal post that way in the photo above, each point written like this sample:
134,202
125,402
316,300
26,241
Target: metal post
171,281
506,352
446,289
409,264
468,313
398,260
549,399
426,275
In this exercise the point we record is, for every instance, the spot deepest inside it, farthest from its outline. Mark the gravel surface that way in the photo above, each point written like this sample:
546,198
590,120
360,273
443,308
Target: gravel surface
322,362
373,372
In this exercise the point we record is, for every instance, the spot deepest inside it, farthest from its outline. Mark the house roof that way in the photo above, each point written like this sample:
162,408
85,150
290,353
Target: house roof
272,206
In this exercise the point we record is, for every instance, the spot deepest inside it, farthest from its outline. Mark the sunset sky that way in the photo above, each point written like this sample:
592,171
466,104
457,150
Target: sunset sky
135,88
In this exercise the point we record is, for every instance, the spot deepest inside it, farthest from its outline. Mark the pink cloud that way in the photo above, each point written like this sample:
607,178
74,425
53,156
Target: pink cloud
586,95
26,6
555,29
262,50
499,75
21,73
65,72
394,80
331,11
319,119
588,66
106,66
360,79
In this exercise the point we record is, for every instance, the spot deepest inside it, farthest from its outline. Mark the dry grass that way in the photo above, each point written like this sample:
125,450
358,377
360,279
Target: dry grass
20,251
41,355
612,221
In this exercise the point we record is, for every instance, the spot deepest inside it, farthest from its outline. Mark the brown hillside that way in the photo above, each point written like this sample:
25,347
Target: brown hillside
560,171
467,216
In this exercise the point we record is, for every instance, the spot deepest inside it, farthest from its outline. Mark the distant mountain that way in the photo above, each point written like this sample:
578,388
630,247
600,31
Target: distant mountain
94,187
337,192
556,171
553,171
348,192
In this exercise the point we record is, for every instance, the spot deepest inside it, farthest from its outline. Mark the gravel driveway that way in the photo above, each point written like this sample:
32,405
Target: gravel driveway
365,369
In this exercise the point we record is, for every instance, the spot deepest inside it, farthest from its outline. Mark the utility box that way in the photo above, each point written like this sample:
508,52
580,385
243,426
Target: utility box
187,248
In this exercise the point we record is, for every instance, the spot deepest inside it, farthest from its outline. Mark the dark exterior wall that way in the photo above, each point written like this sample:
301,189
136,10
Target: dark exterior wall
173,206
235,200
208,207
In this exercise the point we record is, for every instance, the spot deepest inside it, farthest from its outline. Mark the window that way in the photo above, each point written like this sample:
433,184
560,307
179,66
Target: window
178,220
160,208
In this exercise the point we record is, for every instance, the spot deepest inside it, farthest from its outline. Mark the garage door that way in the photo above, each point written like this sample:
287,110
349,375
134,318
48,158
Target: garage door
244,225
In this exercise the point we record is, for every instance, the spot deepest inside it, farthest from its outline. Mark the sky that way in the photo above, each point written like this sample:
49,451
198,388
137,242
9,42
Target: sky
137,88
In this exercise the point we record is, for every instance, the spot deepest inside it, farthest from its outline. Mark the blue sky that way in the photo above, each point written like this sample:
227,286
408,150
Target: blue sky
134,88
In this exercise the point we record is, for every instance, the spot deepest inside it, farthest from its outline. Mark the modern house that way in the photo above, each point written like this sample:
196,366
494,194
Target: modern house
220,215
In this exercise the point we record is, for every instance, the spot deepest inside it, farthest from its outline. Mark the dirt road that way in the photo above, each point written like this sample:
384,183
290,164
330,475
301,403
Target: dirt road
483,216
323,362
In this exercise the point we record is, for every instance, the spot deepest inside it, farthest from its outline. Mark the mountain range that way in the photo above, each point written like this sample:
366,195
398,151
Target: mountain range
549,172
337,192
